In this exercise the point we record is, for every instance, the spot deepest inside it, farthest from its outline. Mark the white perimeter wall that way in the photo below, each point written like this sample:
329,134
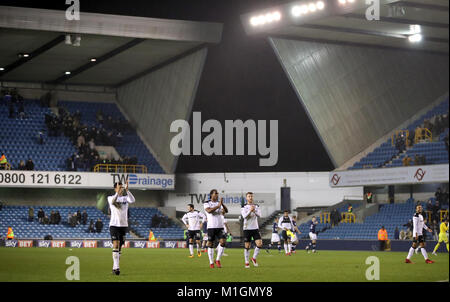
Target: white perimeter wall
307,188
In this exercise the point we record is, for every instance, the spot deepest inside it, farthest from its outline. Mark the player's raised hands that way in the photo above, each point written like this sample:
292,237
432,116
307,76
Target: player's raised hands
126,186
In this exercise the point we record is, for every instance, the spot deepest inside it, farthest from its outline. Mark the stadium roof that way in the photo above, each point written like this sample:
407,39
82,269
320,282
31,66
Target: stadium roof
347,24
123,47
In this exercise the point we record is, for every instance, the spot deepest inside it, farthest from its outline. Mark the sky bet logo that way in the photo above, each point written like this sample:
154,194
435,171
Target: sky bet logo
133,179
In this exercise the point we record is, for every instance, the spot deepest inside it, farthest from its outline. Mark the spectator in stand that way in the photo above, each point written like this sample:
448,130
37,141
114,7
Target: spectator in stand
396,234
40,137
73,219
57,217
84,217
439,196
155,221
428,125
80,140
436,210
350,208
21,166
11,110
400,143
30,214
416,160
52,217
46,220
29,165
435,229
409,235
430,206
21,111
78,217
91,226
41,215
406,161
409,225
402,235
444,197
99,225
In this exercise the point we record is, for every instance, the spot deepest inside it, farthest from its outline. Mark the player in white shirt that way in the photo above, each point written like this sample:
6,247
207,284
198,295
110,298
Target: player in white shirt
118,225
285,223
214,210
250,213
418,227
193,220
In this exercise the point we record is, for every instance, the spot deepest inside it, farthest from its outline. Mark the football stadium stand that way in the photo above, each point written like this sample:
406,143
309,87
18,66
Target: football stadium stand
139,222
19,136
390,216
435,152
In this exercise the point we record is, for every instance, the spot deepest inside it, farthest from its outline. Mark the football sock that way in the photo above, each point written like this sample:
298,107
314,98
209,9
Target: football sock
286,248
220,251
115,255
198,248
255,252
247,255
424,253
211,255
436,247
279,248
314,246
191,248
293,248
289,247
411,252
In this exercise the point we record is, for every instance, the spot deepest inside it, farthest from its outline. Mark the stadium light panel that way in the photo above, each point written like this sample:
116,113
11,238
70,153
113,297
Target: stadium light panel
67,72
93,60
320,5
267,18
304,9
1,68
415,38
415,29
312,7
296,11
342,1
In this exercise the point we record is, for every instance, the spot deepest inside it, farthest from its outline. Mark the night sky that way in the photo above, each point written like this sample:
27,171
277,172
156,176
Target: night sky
242,79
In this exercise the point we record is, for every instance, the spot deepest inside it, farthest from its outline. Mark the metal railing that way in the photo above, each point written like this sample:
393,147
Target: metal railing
397,134
118,168
423,134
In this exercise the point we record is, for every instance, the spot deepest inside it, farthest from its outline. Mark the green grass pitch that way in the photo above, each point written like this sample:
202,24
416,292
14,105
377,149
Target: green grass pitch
166,265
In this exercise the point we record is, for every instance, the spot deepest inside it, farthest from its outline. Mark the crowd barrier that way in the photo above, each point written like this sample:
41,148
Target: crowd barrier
325,244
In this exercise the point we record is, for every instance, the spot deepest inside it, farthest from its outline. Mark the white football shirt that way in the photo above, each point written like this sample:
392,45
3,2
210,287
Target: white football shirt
119,217
285,222
250,218
193,219
418,224
215,220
